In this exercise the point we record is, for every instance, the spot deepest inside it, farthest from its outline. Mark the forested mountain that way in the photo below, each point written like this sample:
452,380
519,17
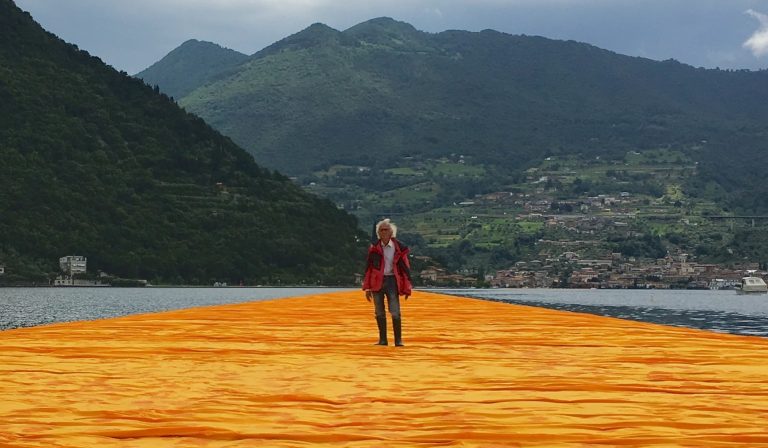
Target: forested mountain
190,66
96,163
382,89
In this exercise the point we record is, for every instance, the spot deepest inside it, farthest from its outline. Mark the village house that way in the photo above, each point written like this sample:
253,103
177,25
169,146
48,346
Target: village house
513,279
431,274
73,264
585,278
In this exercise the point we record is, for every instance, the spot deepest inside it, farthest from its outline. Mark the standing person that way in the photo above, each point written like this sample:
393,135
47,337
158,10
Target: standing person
388,273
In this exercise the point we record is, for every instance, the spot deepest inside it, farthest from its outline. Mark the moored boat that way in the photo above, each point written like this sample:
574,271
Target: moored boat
752,285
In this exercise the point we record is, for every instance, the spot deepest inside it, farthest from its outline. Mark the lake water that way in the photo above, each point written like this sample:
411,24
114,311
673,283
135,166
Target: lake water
26,307
721,311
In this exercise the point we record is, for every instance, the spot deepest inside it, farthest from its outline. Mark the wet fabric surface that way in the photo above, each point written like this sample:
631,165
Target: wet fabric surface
304,372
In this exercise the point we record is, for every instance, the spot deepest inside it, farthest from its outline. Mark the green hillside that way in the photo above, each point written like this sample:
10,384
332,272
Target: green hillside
96,163
383,89
465,137
190,66
324,96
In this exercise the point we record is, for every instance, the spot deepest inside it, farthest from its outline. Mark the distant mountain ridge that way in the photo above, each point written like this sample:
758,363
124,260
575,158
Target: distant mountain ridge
322,97
190,66
96,163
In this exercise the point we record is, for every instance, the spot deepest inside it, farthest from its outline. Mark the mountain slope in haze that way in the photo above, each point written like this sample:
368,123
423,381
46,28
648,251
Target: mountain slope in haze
323,97
96,163
189,66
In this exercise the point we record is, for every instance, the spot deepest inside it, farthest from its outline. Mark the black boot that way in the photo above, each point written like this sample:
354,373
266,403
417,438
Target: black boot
397,325
382,323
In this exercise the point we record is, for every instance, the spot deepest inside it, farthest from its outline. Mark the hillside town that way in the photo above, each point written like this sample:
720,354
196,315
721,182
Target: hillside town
573,253
616,272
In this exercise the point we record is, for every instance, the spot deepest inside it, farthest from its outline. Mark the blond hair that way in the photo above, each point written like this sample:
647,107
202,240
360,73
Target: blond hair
391,225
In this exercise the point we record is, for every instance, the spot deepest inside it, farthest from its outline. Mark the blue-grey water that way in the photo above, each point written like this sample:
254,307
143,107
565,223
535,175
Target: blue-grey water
26,307
720,311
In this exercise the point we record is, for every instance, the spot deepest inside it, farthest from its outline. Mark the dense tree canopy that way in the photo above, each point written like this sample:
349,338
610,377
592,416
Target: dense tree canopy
97,163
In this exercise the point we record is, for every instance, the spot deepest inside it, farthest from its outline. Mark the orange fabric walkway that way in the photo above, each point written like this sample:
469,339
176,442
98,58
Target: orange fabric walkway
303,372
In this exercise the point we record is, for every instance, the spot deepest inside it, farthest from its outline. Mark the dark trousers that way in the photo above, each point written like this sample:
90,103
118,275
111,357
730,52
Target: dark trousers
388,289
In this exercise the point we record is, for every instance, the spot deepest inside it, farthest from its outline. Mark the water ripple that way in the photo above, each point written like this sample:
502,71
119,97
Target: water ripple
27,307
719,311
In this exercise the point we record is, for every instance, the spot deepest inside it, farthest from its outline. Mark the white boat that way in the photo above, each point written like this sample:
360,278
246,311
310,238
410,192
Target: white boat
752,285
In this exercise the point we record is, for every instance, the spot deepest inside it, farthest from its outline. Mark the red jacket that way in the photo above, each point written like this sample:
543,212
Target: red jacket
374,271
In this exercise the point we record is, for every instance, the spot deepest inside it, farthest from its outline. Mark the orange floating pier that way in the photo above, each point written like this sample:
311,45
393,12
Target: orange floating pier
302,372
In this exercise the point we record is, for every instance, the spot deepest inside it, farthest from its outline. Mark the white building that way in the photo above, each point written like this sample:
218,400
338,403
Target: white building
72,264
69,281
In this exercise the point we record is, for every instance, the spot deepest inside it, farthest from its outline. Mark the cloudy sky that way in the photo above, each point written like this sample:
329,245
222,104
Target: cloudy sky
133,34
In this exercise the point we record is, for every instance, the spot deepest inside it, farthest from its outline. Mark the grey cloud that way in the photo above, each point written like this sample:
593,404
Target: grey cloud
758,42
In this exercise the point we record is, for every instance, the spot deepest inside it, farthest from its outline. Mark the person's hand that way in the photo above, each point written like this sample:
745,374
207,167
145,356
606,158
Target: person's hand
368,295
406,296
